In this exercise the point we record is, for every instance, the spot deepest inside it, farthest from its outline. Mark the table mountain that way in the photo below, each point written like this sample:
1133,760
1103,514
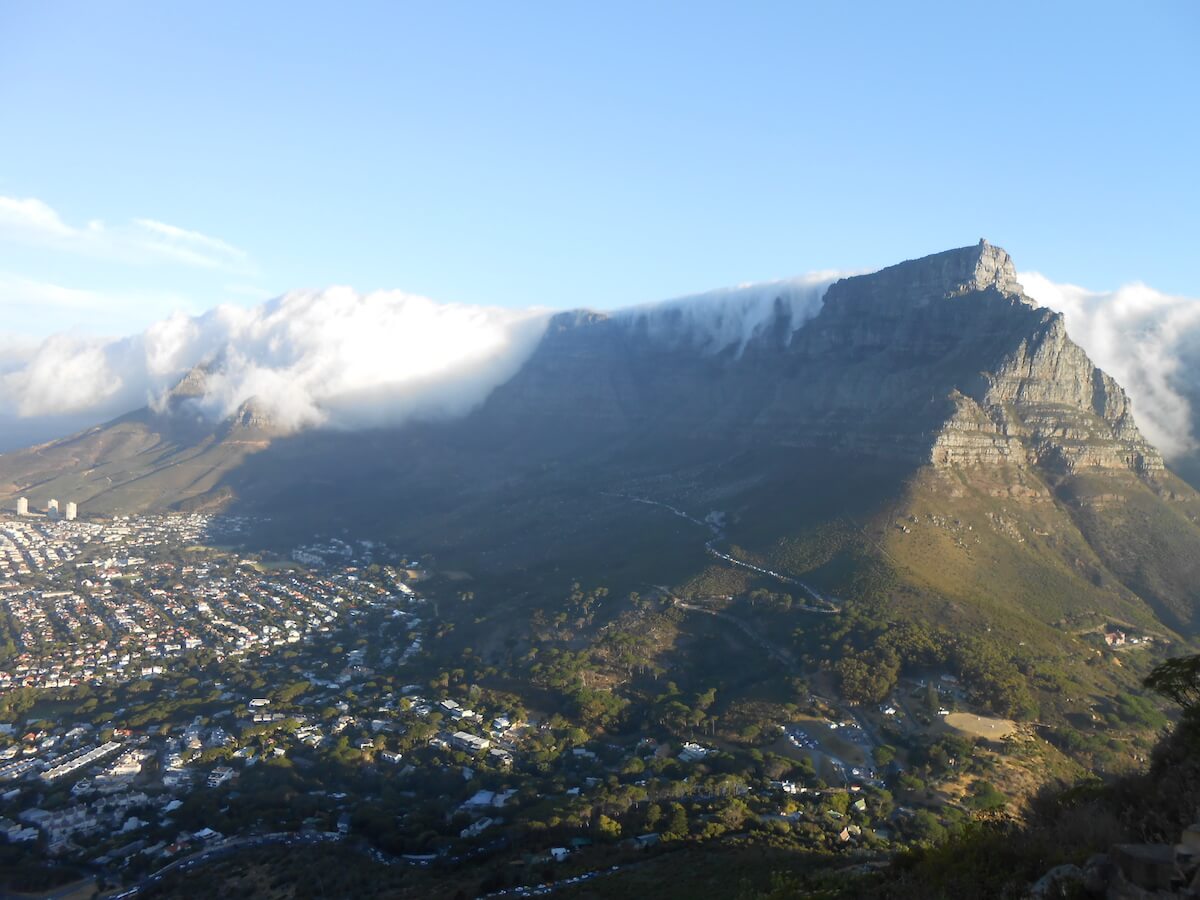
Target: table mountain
929,392
942,359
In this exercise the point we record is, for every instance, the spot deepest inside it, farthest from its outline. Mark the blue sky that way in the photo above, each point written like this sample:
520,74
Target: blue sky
175,155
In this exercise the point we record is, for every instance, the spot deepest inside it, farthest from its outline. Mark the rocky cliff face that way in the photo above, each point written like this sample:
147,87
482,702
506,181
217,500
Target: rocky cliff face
1041,400
942,359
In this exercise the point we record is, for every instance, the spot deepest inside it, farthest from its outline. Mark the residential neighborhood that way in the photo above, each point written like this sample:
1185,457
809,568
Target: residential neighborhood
164,701
92,601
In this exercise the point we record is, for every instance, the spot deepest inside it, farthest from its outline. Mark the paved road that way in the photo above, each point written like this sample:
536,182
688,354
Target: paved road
224,848
827,605
297,839
551,886
828,608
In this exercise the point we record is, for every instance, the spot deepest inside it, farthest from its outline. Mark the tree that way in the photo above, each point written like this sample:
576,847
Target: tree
1177,679
609,829
733,815
985,796
654,814
866,679
933,700
776,766
925,827
677,824
838,802
289,693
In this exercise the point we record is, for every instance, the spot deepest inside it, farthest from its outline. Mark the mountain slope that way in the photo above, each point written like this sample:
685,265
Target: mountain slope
152,458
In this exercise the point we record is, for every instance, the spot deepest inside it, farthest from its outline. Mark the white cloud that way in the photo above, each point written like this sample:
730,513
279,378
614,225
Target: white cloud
732,317
332,357
1148,341
66,375
343,359
188,246
15,350
33,222
31,216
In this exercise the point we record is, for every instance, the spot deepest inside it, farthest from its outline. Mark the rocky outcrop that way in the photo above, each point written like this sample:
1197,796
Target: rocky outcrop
191,386
252,423
1042,401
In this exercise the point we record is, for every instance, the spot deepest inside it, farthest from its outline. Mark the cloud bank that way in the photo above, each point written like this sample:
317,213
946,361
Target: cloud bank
730,318
337,358
334,358
1147,340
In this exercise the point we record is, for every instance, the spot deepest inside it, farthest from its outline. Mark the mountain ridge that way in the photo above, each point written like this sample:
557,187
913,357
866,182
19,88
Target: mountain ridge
939,363
942,359
1042,398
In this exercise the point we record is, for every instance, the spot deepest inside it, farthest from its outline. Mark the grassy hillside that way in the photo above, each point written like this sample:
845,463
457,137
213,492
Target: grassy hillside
133,465
996,574
1146,538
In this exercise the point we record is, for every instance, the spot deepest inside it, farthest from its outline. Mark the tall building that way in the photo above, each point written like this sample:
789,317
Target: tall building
52,508
23,506
72,511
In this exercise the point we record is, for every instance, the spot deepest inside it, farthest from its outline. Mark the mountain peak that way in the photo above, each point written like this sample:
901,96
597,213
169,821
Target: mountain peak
252,415
193,385
989,267
981,268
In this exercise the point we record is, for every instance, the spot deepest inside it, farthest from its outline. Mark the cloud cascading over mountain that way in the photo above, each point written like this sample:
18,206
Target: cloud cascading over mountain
332,357
342,359
1148,341
732,317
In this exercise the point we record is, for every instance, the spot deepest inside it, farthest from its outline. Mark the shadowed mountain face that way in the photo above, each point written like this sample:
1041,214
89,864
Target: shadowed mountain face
935,377
940,360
